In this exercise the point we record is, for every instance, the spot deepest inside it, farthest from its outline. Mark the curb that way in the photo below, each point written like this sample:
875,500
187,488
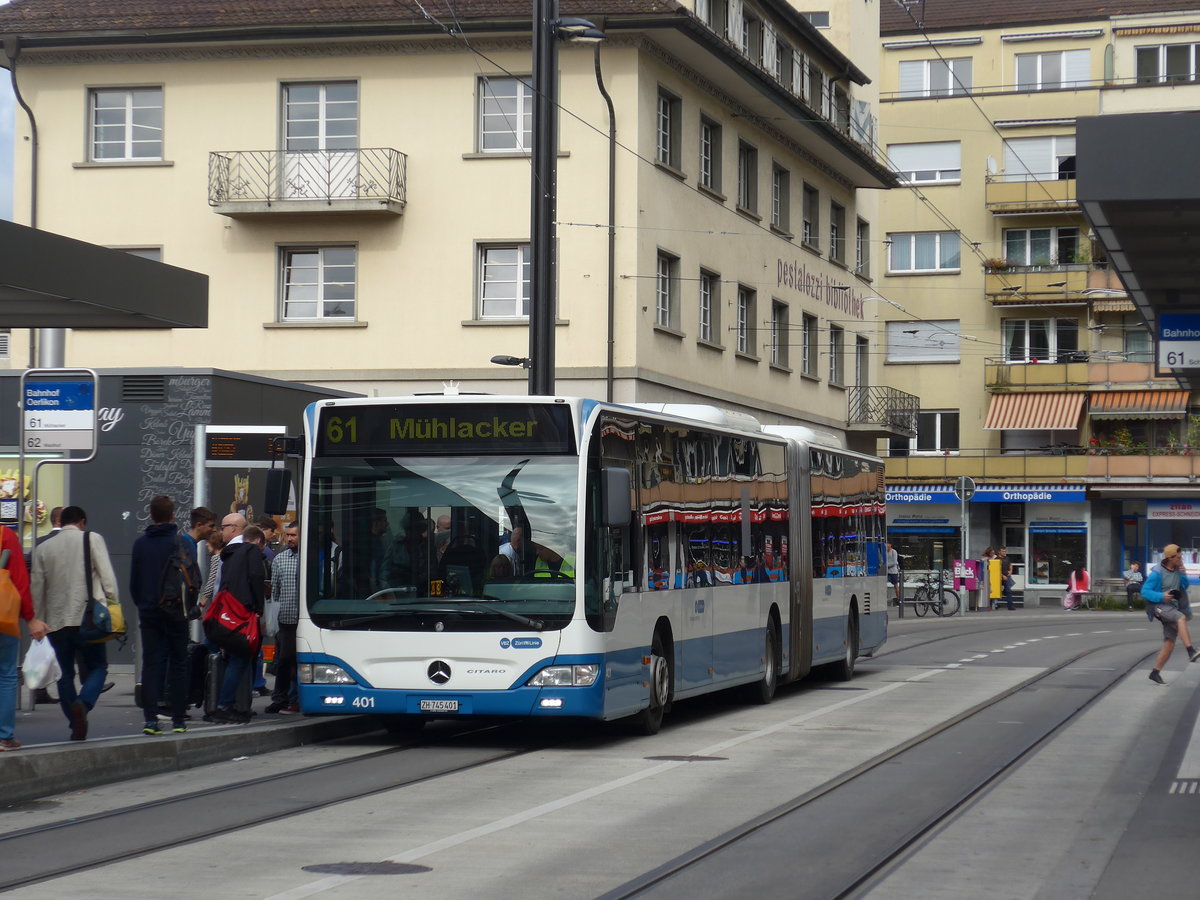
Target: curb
32,773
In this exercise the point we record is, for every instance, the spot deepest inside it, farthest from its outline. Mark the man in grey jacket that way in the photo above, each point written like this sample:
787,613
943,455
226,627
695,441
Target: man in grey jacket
61,589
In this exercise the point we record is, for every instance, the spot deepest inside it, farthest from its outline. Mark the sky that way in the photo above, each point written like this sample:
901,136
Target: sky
7,104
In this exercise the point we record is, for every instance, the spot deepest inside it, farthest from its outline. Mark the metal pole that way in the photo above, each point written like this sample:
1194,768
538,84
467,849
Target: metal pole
544,191
964,547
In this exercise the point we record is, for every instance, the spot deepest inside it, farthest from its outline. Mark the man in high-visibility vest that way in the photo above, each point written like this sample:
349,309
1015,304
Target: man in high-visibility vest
549,562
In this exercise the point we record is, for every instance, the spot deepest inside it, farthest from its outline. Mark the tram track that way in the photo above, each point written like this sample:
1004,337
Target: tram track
54,849
757,857
37,854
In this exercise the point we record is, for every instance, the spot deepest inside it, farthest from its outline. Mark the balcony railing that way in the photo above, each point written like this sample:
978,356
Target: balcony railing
1030,192
1061,461
891,412
1073,370
248,182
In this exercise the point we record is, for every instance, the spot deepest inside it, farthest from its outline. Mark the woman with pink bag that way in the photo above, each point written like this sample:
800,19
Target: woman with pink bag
1078,582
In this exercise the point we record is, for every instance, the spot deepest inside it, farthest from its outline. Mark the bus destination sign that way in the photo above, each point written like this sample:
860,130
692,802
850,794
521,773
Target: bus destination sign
467,428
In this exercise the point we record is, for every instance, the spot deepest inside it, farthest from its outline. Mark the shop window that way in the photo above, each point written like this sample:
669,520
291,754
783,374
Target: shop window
1053,552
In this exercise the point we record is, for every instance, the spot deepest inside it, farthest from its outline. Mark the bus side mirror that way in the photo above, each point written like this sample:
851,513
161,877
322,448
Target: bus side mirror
279,488
615,490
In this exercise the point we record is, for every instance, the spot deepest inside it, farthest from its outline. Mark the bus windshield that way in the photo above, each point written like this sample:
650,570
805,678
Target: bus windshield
442,543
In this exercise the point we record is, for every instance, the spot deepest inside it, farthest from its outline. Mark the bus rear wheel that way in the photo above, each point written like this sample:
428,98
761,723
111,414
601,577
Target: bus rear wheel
843,670
650,719
763,690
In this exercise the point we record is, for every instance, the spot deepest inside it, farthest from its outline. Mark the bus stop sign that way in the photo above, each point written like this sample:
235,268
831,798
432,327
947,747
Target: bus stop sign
964,487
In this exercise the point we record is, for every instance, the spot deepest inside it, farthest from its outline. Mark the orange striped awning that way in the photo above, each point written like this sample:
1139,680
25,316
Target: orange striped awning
1035,411
1139,404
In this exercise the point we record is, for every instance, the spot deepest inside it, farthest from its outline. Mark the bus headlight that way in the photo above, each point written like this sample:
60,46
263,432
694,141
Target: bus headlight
565,676
323,673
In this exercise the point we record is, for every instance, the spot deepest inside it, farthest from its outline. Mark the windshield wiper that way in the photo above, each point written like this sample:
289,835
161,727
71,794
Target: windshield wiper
535,624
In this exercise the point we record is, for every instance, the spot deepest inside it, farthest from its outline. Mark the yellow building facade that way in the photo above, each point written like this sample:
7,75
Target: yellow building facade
357,189
1037,378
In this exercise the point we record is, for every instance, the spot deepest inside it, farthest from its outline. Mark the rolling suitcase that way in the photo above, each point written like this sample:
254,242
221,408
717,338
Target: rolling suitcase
214,677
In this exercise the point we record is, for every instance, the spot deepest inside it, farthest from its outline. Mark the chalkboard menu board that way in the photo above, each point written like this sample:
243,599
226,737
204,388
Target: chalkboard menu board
168,436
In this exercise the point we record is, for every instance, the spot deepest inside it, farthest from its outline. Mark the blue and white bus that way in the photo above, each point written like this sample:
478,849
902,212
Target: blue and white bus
559,557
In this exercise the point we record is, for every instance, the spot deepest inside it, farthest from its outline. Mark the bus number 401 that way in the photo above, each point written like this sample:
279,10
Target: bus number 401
363,702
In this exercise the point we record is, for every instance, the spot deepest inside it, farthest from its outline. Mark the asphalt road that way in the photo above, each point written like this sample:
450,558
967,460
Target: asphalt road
999,755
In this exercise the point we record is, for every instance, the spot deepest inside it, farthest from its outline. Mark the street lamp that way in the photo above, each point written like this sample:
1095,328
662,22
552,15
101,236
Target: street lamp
548,28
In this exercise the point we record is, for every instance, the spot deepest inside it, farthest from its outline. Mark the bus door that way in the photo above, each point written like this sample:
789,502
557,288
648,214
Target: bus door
695,651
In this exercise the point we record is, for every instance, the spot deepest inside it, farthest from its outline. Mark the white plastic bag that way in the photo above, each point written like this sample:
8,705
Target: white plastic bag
40,668
270,621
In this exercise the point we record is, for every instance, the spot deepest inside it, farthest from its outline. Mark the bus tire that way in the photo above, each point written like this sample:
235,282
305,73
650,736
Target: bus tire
402,726
662,684
843,670
763,690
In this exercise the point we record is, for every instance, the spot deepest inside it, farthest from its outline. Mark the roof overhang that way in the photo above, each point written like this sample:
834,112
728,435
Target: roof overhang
51,281
1139,186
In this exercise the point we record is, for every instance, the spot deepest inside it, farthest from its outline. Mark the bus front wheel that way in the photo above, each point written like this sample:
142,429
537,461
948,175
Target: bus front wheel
650,719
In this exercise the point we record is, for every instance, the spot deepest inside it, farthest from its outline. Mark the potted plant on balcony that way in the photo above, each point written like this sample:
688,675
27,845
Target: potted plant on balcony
995,264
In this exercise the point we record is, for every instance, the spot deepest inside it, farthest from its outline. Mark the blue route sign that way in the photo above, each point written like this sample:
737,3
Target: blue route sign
58,415
1179,341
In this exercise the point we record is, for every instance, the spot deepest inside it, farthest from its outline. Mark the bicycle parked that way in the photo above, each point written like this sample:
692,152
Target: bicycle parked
943,602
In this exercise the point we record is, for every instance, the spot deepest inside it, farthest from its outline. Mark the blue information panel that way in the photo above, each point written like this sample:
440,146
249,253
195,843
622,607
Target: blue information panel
1179,341
59,415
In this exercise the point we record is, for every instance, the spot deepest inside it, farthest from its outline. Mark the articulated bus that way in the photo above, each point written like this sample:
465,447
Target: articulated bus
558,557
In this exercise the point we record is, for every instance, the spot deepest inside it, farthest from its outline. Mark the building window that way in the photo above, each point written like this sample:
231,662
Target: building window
1041,340
321,116
779,334
714,13
928,251
1167,63
781,185
666,287
785,59
936,340
808,343
744,327
862,249
747,195
710,307
862,361
814,91
151,253
929,163
752,36
505,115
504,281
127,124
818,19
935,77
666,148
837,354
837,232
1056,69
812,216
1042,246
937,432
318,283
1137,345
710,155
1039,159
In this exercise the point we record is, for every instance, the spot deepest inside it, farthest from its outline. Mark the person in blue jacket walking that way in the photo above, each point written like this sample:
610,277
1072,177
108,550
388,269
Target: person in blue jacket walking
1165,589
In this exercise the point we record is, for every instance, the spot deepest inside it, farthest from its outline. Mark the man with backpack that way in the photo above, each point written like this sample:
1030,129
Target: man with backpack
164,581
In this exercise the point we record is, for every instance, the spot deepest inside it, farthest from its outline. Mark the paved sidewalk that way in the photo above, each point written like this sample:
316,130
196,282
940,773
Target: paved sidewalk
116,749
